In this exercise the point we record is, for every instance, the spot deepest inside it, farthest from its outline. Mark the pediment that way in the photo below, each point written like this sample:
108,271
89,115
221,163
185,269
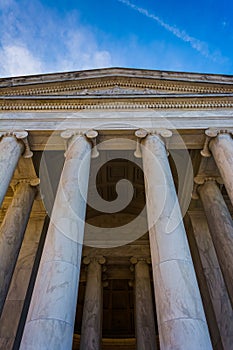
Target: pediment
116,82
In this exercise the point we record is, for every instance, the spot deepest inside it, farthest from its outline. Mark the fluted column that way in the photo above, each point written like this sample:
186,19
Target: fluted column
91,331
12,232
181,319
51,315
221,228
144,315
12,145
221,147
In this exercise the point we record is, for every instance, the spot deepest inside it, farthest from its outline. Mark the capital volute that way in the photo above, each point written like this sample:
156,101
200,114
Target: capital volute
212,133
134,260
33,182
91,135
140,134
100,260
21,136
162,133
69,137
200,180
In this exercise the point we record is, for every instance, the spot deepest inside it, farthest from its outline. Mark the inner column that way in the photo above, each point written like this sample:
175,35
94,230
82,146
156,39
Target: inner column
181,318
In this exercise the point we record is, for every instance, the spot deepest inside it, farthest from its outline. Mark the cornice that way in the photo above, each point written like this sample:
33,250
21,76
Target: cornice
116,72
66,87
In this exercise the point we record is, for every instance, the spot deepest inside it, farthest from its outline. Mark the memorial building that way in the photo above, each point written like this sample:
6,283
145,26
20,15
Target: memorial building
116,190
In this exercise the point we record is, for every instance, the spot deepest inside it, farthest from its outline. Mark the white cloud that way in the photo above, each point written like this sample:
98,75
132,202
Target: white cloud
32,43
18,60
81,51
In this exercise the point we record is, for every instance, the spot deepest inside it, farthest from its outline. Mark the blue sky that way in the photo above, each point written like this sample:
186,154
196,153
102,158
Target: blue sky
58,35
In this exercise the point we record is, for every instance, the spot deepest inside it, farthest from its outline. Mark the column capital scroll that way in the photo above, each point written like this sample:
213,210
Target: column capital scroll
199,180
134,260
33,182
213,132
90,136
100,260
210,134
20,135
141,134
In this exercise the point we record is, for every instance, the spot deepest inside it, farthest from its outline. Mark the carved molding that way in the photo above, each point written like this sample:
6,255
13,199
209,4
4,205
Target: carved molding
12,105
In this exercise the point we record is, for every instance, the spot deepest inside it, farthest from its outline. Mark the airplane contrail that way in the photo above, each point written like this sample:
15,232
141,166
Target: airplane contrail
196,44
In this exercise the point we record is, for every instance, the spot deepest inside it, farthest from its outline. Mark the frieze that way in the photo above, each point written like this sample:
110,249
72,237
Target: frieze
11,105
117,90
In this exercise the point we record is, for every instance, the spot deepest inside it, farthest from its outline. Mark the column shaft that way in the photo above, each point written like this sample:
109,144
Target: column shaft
12,233
221,228
180,313
91,332
144,315
215,282
203,286
51,315
10,152
222,150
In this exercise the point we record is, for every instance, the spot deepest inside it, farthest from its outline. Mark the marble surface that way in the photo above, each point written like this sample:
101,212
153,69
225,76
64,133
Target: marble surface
181,318
10,152
222,150
221,228
12,232
91,331
207,303
12,309
215,282
51,314
144,315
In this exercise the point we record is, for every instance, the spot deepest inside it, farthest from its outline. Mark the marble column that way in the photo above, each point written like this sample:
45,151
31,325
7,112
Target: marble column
221,228
181,318
51,316
221,147
12,232
144,315
203,286
91,331
10,151
215,282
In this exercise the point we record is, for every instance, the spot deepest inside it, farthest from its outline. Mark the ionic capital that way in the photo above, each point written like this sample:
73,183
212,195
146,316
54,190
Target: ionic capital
141,134
162,132
33,182
210,134
21,136
92,136
199,180
100,260
70,136
134,260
